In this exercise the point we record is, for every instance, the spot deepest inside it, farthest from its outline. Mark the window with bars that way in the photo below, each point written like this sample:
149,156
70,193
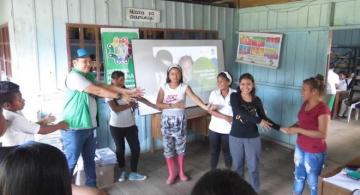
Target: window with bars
89,37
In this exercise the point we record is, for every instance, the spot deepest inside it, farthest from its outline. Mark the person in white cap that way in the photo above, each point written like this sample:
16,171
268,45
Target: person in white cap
221,119
171,99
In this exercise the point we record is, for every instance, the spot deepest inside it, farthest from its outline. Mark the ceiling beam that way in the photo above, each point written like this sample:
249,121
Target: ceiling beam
253,3
235,3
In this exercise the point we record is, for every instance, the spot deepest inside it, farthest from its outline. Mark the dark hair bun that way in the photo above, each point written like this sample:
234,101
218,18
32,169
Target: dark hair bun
320,77
317,82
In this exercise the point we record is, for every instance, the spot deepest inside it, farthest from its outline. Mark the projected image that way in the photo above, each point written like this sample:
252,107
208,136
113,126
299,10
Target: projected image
200,64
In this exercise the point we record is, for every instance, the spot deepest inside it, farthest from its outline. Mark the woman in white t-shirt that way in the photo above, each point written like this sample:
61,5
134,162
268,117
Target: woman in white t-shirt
122,126
221,119
171,99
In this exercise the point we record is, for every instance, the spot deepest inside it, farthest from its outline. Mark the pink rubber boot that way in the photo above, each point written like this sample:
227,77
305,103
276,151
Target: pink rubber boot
180,159
170,162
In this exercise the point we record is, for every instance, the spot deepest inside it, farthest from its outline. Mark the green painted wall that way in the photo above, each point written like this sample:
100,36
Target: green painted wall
37,33
306,26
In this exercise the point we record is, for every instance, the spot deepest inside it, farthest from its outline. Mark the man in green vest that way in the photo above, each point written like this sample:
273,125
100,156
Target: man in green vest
80,110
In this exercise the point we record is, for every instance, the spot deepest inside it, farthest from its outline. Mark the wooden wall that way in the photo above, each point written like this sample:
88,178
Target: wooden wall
253,3
304,54
349,37
37,28
39,25
346,14
37,31
306,27
5,11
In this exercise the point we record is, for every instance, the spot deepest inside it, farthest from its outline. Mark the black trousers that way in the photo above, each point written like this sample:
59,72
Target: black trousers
219,142
131,135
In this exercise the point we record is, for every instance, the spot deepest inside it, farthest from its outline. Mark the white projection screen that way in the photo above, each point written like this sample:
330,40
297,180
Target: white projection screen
201,61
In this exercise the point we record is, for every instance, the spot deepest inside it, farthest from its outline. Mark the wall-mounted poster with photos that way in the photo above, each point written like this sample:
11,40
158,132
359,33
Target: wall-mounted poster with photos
261,49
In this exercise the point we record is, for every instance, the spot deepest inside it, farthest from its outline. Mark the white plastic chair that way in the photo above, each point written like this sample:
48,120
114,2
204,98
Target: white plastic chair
357,109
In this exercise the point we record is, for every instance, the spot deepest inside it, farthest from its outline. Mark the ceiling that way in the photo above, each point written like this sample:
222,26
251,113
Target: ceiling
221,3
235,3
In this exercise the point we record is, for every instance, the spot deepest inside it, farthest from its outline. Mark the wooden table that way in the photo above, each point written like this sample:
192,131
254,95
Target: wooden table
197,120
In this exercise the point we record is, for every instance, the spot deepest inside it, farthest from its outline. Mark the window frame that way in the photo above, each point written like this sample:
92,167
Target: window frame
5,52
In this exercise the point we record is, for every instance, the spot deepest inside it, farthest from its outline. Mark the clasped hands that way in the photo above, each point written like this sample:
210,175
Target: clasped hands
213,108
131,95
263,123
290,130
49,119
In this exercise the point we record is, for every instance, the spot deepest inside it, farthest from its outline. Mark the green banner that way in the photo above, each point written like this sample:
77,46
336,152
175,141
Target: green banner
117,53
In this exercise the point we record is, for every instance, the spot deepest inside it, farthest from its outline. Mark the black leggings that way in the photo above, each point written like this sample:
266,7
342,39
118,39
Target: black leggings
131,135
219,142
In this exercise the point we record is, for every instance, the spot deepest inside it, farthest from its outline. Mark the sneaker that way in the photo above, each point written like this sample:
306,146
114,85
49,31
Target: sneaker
134,176
341,116
122,176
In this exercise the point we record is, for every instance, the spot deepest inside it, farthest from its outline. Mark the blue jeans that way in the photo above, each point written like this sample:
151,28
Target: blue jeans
82,142
307,167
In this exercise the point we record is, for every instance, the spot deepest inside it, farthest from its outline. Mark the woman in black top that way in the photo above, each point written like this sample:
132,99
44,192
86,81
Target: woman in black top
244,140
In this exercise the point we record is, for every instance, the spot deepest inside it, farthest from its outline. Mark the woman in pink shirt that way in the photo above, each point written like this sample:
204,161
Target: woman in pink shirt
311,128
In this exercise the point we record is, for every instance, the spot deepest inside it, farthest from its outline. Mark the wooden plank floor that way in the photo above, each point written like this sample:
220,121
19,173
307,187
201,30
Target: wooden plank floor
276,165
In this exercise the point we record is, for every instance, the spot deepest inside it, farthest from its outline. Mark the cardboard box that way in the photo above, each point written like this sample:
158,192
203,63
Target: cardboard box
104,176
326,188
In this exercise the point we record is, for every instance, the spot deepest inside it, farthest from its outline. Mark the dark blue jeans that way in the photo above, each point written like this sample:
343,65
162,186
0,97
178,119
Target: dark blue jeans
307,168
219,142
82,142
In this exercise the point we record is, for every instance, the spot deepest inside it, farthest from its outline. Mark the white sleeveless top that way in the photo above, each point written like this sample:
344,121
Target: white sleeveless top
172,96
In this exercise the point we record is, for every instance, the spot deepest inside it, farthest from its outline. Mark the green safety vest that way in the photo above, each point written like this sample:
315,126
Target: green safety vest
76,106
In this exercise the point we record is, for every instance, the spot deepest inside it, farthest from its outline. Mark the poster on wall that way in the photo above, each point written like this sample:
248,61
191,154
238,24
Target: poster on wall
261,49
200,61
117,53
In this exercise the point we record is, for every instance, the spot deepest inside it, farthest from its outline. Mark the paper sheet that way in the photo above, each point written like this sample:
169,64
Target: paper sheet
343,181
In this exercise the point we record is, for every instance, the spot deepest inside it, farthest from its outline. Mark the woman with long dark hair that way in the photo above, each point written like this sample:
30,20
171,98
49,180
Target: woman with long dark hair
244,140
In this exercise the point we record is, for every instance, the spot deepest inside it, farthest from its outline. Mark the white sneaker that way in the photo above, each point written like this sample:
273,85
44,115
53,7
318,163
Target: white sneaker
122,176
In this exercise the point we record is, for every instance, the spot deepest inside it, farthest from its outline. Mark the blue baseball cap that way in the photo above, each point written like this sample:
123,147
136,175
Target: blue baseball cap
82,53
